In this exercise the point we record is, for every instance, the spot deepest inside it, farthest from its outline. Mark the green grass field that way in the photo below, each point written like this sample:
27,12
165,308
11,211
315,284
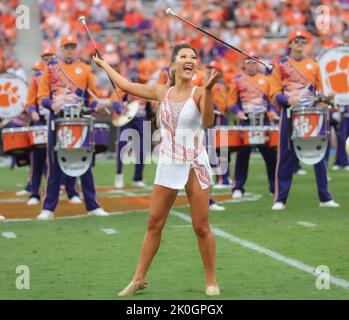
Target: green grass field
75,259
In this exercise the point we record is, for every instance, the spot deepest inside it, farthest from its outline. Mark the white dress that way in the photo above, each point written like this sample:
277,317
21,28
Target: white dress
181,146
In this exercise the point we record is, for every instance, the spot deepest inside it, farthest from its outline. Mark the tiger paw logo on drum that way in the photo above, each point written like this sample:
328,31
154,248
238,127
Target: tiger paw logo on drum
8,95
307,125
72,136
337,75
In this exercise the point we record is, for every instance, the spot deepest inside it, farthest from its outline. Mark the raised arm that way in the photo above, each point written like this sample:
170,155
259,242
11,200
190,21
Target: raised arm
206,100
148,92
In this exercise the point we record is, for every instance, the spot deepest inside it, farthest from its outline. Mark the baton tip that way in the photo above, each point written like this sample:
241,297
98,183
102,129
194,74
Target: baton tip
169,12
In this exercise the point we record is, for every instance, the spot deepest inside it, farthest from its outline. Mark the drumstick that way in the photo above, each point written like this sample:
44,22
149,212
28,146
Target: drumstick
98,100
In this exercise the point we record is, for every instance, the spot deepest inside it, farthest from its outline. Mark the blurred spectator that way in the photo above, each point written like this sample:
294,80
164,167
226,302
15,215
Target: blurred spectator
99,13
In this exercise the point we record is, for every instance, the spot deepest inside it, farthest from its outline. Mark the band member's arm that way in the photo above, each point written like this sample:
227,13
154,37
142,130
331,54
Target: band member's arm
92,90
148,92
44,93
31,104
233,101
276,92
318,79
115,99
219,98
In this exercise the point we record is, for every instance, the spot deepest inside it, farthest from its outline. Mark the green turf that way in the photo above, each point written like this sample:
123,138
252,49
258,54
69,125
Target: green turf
74,259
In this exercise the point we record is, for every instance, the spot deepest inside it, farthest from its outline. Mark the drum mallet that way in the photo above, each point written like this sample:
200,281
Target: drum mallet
170,12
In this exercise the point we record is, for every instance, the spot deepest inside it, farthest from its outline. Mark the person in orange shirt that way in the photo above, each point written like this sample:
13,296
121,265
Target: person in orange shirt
66,79
38,155
294,81
249,98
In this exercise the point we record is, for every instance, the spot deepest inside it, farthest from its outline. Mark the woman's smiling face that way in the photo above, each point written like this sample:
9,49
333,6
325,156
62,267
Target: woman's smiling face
185,64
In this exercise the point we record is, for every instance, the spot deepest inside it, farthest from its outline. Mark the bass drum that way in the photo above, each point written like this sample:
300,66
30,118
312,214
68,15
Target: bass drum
13,95
334,63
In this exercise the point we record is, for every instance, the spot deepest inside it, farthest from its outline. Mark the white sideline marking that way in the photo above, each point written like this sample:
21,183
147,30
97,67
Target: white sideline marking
273,254
9,235
306,224
13,200
109,231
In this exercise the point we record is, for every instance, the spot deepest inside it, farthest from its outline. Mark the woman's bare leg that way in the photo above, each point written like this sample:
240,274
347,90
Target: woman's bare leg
161,202
199,204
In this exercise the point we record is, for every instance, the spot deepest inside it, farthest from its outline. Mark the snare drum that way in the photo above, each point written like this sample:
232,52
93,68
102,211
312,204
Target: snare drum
74,134
310,133
273,135
101,137
254,135
38,136
309,123
16,141
228,136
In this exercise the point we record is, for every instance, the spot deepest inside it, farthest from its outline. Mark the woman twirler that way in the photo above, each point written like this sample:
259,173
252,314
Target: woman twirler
183,161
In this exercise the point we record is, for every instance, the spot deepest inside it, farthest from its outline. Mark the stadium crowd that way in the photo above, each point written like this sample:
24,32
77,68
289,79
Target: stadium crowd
258,25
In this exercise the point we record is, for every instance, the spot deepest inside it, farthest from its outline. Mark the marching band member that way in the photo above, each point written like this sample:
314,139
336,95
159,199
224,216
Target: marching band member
295,76
144,73
184,109
58,77
38,155
220,102
249,96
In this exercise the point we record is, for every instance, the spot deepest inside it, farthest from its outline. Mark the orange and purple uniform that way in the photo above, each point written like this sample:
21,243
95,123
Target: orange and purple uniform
250,94
300,78
59,78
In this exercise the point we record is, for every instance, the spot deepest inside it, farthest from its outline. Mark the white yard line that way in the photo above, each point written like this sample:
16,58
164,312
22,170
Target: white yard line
306,224
9,235
109,231
273,254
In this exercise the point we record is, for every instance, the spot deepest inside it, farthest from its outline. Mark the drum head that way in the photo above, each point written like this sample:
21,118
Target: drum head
310,151
74,163
120,120
13,95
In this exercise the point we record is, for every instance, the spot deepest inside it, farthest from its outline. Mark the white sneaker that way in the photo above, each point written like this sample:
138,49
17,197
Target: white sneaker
301,172
346,168
335,167
329,178
75,200
329,204
216,207
278,206
2,218
213,290
100,212
237,194
22,193
221,186
32,201
119,180
45,215
139,184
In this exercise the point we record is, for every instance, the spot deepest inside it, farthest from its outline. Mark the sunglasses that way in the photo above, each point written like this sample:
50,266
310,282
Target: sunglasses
300,40
69,46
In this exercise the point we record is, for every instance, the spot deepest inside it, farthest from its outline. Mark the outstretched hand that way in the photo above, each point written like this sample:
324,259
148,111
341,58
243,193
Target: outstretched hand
98,60
215,75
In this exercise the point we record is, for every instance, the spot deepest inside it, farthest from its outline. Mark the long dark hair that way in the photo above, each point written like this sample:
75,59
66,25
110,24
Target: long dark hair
174,53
